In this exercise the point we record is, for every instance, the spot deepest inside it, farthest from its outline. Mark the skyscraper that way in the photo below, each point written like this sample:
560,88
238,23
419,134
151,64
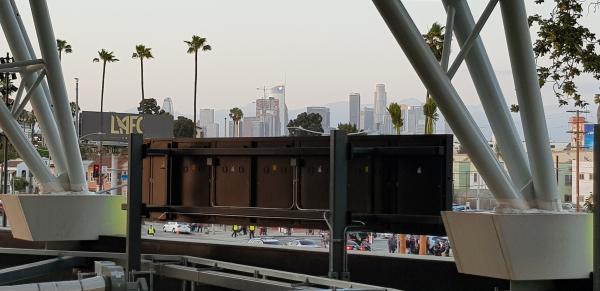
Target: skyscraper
380,104
415,120
268,111
206,123
367,117
354,104
168,106
325,115
278,92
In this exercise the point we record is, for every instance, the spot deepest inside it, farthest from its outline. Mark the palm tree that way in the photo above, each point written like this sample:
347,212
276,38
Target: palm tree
105,57
142,52
236,115
63,46
434,38
395,112
197,43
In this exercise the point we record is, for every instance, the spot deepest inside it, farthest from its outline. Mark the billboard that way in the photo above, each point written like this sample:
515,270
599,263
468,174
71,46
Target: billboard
588,137
113,126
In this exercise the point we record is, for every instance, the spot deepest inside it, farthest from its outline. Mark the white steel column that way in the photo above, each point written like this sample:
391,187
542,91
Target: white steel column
531,107
114,172
493,101
438,83
39,102
58,92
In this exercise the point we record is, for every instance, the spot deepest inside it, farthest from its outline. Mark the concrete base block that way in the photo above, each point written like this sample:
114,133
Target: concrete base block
64,217
540,246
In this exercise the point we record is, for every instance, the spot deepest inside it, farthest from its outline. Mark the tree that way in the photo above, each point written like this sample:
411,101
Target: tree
196,44
347,127
183,127
105,57
514,108
434,38
74,108
150,106
306,121
62,45
236,115
142,52
19,183
395,112
431,115
570,46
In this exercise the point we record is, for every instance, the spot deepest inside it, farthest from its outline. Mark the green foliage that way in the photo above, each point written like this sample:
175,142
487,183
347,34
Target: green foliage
106,57
142,52
570,46
150,106
74,108
236,114
348,128
62,45
183,127
431,115
395,112
514,108
307,121
20,183
435,39
43,152
197,43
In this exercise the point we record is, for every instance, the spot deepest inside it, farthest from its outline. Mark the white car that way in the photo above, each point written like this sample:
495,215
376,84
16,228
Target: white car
264,241
386,235
303,243
176,227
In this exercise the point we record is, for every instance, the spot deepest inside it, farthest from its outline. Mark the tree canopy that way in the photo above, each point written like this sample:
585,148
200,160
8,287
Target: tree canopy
395,112
347,127
570,46
183,127
236,114
150,106
306,121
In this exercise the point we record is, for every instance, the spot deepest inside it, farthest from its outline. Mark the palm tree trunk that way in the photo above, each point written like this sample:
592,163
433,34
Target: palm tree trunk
60,55
101,122
195,86
142,70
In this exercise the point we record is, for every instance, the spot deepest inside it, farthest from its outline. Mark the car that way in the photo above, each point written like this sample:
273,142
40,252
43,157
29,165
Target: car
176,227
303,243
354,246
386,235
458,207
264,241
568,207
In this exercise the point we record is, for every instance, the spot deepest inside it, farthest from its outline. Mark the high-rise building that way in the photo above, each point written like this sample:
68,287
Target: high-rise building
206,123
354,104
325,115
415,120
168,106
367,117
253,127
278,92
380,104
267,111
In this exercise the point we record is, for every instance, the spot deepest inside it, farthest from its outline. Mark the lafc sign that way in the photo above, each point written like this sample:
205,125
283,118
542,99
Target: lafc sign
126,124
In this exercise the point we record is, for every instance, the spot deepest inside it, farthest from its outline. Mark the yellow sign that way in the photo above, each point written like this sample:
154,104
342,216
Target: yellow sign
126,124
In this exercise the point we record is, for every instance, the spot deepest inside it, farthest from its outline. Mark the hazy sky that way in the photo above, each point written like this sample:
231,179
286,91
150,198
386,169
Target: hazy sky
322,49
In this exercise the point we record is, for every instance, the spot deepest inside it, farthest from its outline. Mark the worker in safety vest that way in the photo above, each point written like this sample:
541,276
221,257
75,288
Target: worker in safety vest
251,228
151,230
235,228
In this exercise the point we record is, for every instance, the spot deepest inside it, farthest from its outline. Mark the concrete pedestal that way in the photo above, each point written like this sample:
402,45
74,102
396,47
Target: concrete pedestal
64,217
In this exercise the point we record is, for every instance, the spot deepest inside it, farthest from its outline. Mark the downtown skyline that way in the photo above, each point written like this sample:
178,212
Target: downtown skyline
229,76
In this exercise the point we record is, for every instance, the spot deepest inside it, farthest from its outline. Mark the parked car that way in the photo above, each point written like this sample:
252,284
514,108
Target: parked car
303,243
264,241
438,245
568,207
176,227
386,235
459,207
354,246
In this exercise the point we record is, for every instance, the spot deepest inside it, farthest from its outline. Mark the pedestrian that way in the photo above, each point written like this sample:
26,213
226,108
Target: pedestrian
392,244
235,229
244,230
251,228
151,230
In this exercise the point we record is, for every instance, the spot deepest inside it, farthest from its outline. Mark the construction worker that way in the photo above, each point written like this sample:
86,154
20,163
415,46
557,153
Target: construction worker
235,228
151,230
251,228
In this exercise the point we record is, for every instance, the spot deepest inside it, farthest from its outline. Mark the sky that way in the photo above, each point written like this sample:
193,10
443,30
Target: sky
322,50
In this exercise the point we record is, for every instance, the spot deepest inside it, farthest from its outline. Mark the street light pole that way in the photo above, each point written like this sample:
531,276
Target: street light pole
77,107
4,138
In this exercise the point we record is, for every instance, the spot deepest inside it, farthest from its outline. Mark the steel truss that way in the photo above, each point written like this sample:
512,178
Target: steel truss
529,182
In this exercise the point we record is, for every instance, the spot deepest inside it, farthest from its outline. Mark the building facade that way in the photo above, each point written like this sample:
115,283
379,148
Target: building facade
367,118
380,103
354,106
278,93
267,111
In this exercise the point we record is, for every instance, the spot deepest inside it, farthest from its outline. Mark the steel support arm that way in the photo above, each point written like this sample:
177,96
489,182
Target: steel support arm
492,100
450,15
58,92
437,82
21,106
531,106
39,103
37,269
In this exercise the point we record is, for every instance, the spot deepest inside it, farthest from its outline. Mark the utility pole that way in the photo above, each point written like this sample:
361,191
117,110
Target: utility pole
7,88
77,108
578,132
225,127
